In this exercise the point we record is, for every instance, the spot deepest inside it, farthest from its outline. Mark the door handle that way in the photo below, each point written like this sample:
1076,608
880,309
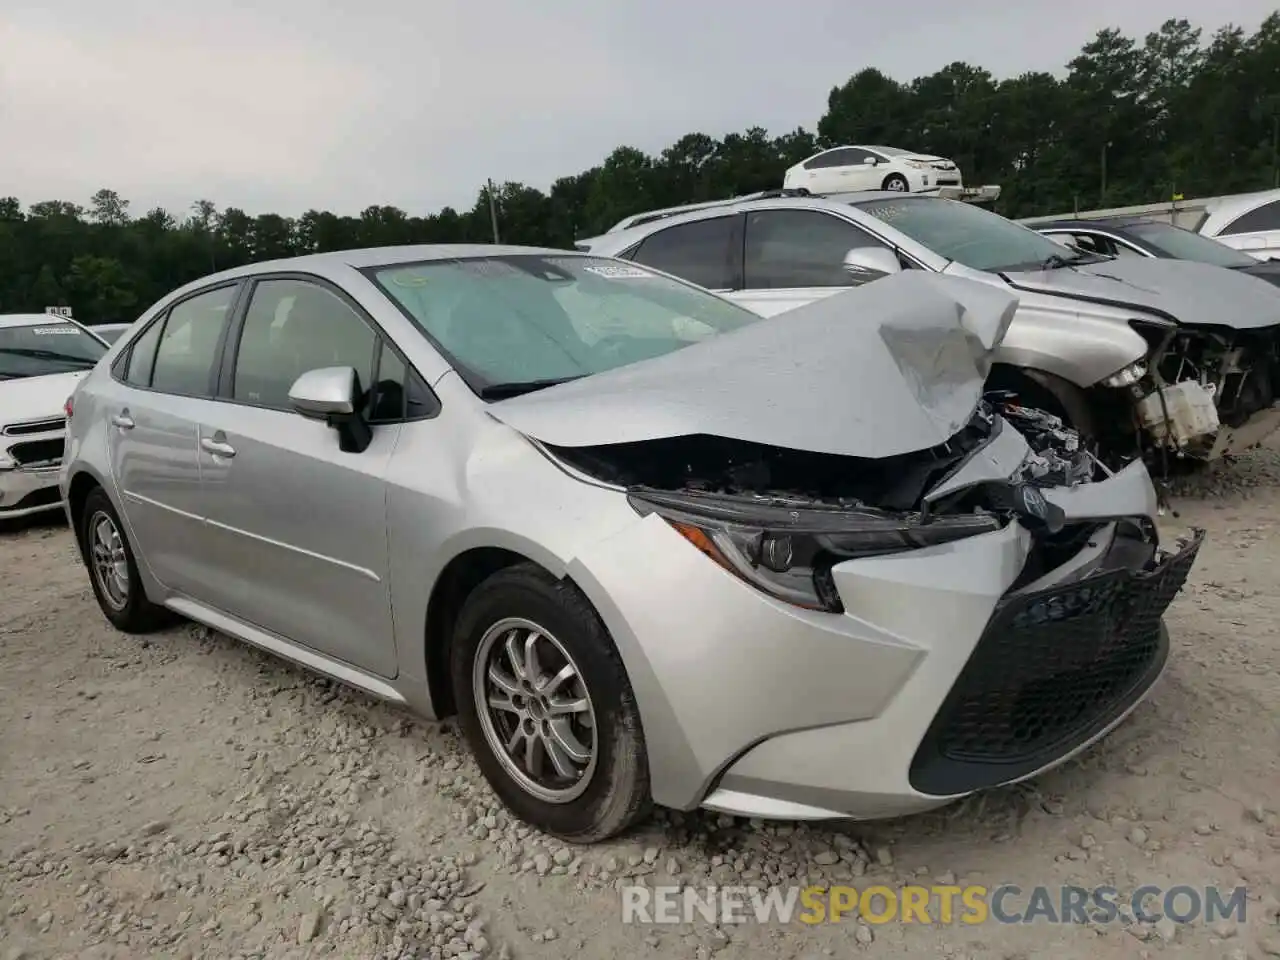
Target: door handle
122,420
217,447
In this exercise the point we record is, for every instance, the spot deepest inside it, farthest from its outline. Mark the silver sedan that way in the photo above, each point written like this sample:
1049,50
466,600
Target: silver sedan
647,546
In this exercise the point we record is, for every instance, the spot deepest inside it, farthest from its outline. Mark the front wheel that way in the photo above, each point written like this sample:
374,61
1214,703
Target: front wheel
896,182
547,708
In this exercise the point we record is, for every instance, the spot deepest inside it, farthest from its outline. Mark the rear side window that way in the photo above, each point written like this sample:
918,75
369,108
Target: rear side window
188,345
142,356
1265,217
700,252
799,248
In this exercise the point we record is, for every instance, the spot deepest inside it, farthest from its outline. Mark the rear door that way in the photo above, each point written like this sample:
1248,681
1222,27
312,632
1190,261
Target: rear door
297,527
164,382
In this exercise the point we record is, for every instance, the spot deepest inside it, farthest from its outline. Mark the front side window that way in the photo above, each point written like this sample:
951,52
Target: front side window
1265,217
964,233
799,248
38,349
700,252
1185,245
291,327
504,322
188,344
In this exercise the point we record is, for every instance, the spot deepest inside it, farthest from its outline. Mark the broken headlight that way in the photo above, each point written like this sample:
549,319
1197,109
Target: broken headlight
1127,376
786,548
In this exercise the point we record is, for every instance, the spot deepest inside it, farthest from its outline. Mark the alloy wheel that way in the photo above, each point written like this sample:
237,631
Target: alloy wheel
110,562
535,710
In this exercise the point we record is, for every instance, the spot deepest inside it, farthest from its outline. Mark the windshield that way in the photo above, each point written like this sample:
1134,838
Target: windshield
40,349
528,321
966,234
1184,245
890,151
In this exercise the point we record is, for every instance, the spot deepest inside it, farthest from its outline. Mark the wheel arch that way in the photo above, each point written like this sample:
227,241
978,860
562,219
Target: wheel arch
461,575
82,482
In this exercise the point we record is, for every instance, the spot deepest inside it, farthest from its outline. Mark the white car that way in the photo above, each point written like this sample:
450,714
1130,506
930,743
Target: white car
844,169
42,358
110,332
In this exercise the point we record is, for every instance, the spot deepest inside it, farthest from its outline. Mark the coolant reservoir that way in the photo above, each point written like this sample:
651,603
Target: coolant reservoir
1186,414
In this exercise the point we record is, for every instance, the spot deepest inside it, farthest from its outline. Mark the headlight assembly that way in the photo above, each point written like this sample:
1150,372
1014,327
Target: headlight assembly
786,549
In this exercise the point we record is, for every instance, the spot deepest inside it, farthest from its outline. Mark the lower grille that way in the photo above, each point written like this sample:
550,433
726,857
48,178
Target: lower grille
47,497
45,453
1052,669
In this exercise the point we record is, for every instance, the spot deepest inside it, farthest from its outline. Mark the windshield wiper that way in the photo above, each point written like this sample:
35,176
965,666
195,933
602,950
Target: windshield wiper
515,388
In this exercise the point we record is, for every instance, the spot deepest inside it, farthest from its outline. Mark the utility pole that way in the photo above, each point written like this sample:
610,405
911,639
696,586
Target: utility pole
1102,199
493,211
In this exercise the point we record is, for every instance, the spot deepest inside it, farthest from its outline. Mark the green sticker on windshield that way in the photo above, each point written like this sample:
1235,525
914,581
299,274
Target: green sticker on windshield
54,331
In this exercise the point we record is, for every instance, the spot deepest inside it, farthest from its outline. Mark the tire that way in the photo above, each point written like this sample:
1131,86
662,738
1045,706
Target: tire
611,791
896,182
122,599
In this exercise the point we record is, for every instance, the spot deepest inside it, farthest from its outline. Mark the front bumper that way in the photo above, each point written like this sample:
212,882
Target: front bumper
755,707
26,491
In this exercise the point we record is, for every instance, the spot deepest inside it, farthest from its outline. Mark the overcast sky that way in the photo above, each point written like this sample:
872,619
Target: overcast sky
284,105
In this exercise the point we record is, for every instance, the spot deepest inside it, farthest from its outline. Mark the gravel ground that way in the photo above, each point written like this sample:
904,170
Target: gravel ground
186,796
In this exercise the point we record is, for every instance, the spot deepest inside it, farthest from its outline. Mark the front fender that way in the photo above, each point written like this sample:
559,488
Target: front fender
1081,348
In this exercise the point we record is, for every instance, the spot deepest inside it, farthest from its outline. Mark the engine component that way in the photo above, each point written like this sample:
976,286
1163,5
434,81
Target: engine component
1176,415
1057,457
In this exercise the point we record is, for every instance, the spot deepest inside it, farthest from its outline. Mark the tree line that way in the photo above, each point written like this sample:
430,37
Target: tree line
1129,122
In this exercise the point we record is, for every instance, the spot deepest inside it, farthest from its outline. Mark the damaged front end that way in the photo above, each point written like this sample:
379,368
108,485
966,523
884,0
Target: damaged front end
1203,392
781,519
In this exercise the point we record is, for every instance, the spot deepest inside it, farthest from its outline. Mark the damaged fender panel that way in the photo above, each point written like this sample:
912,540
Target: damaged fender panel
880,370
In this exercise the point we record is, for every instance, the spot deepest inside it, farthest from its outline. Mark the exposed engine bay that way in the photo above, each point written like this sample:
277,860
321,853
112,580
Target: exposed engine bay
1205,386
716,465
781,518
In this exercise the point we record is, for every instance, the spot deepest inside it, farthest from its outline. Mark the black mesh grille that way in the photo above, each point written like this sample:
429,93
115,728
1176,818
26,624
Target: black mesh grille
1051,670
38,451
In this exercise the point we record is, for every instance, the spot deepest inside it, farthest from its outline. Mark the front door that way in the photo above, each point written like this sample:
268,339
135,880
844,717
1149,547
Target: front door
794,257
153,411
297,527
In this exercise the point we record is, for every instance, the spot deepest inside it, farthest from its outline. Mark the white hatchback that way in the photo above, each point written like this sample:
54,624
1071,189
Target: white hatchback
843,169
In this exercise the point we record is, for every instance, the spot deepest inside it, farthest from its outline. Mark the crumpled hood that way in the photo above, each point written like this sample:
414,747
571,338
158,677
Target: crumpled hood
1188,291
883,369
33,398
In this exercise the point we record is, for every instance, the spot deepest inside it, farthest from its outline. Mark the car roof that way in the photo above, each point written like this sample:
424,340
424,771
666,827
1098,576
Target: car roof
334,263
621,239
31,319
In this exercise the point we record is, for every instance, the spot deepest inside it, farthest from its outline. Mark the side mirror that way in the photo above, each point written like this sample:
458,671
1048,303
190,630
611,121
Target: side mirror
870,161
865,264
333,394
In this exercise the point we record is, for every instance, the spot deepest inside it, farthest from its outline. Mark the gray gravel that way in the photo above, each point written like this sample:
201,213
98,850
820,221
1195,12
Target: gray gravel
188,797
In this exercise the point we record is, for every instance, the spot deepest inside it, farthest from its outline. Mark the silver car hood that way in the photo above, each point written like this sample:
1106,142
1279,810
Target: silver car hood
879,370
1190,292
36,398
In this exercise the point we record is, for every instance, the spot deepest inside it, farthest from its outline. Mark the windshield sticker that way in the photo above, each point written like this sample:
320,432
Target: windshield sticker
885,213
616,271
54,331
408,280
